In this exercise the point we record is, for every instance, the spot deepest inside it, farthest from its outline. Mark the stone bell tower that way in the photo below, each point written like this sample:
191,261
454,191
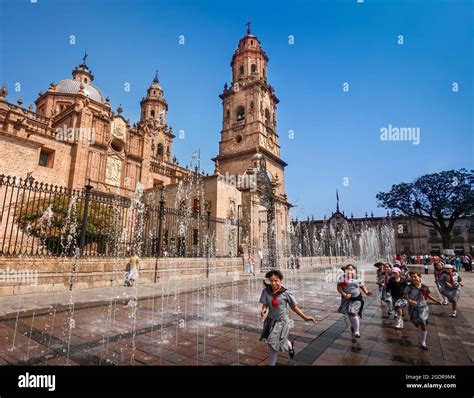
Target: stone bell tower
153,116
249,114
249,146
154,105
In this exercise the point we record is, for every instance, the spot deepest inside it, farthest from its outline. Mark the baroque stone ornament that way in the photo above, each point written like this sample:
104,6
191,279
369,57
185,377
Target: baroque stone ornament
113,171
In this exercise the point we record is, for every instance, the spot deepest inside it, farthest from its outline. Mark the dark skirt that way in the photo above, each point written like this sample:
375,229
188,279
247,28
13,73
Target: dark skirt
275,333
386,295
452,294
418,314
354,305
399,302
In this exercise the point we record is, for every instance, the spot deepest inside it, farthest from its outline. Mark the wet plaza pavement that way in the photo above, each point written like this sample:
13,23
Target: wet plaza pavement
219,324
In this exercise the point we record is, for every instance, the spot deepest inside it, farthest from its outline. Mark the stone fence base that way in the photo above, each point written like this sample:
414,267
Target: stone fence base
52,274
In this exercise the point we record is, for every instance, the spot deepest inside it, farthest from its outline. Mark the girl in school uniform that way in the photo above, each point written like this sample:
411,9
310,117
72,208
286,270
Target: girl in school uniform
449,284
379,275
385,297
396,287
276,328
417,295
438,269
349,286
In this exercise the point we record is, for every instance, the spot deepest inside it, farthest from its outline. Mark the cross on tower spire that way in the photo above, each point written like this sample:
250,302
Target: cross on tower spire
248,27
84,58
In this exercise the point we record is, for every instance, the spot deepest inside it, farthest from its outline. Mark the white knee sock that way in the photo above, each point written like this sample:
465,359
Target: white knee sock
423,337
272,358
355,323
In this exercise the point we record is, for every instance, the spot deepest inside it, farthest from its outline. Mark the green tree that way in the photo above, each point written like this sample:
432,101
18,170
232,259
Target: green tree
435,200
52,220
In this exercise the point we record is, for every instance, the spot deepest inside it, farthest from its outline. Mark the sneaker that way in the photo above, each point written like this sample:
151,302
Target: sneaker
454,314
445,302
357,335
291,353
424,347
390,312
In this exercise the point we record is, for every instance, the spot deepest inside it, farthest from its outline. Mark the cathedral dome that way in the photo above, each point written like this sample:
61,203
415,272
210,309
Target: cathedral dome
73,86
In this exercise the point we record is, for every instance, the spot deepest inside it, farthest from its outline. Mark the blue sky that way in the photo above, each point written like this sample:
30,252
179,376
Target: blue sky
336,140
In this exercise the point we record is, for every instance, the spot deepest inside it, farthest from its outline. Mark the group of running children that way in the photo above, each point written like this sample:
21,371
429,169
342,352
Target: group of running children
400,290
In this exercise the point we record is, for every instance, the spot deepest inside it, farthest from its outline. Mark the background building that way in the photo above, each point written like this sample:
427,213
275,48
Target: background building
410,237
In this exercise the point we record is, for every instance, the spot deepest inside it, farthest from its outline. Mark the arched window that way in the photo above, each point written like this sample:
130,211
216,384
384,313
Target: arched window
159,151
253,68
267,116
240,113
241,69
152,113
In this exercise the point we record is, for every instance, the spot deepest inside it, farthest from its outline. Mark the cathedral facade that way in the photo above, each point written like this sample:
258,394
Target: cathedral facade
73,138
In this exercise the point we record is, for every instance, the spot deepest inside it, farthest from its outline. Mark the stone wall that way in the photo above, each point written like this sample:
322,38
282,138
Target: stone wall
53,274
19,156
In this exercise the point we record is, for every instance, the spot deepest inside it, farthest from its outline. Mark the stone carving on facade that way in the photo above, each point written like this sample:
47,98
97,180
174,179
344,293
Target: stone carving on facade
3,93
216,167
113,171
119,128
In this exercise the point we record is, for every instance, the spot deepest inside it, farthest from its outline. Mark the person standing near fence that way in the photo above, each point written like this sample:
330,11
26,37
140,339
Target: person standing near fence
132,274
260,255
251,265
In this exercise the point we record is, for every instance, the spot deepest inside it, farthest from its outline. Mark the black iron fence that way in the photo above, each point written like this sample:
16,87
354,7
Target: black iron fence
38,219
